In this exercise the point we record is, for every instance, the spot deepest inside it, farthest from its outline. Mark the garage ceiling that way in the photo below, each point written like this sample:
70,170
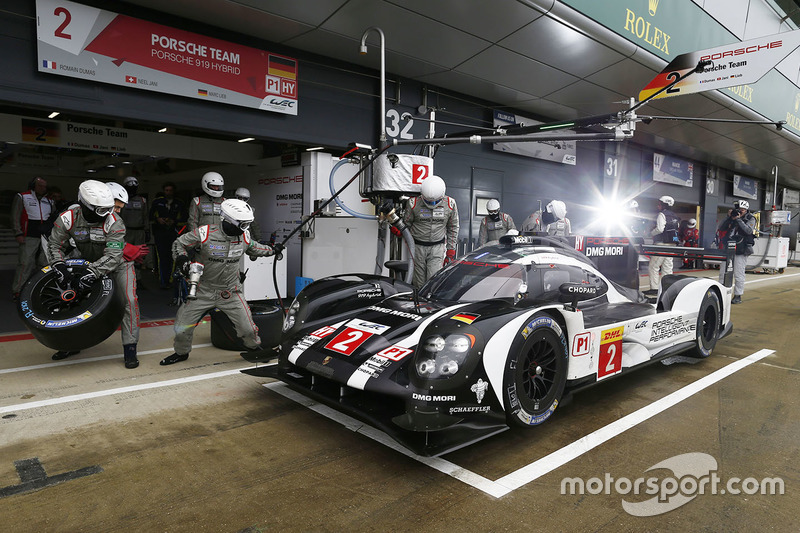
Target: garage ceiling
547,62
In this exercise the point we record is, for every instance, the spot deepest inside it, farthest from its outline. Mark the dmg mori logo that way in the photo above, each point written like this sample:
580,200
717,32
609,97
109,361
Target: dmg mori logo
652,7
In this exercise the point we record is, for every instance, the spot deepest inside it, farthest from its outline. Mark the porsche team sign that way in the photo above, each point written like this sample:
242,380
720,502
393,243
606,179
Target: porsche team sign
93,44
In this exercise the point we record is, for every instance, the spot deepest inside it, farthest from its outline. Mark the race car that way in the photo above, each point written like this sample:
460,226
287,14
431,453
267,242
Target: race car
497,339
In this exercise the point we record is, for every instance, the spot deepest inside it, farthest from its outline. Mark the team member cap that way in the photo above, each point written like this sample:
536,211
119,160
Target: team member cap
213,184
243,193
433,189
667,200
118,192
237,212
558,209
96,196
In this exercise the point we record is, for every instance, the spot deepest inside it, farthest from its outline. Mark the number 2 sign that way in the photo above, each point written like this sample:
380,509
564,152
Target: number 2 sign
419,173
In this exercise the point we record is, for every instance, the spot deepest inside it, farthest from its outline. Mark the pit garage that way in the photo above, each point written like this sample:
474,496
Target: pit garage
218,443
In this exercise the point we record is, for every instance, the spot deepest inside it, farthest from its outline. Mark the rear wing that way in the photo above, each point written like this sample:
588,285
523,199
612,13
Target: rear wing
725,256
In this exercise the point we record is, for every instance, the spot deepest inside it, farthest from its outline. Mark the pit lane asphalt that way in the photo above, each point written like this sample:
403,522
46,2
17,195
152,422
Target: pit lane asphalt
86,445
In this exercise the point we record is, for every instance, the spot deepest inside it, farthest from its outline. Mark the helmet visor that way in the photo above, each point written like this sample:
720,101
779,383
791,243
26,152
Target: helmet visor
214,187
103,211
244,225
431,203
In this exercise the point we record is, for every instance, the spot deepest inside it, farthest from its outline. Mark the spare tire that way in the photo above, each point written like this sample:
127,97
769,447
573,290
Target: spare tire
267,316
60,318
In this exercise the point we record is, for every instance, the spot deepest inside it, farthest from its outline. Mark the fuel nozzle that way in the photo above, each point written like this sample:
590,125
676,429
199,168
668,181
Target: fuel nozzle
195,271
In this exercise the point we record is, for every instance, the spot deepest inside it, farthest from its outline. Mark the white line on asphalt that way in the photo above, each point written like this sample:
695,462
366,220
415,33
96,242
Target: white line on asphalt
776,278
89,360
121,390
547,464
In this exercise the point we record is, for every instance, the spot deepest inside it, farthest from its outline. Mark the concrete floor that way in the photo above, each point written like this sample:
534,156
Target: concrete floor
86,445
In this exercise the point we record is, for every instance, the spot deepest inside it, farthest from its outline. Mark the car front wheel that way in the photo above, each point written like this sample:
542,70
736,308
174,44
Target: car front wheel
536,375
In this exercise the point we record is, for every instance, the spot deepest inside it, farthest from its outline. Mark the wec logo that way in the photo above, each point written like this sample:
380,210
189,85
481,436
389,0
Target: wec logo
281,103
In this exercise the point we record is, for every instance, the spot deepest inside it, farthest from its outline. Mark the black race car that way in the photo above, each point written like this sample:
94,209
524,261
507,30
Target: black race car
496,339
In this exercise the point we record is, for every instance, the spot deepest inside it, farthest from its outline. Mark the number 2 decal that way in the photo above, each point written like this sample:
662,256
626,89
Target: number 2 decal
67,19
673,77
347,341
609,361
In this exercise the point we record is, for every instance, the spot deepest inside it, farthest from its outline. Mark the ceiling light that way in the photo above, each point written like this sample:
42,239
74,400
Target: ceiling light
315,148
91,170
127,162
246,139
110,166
162,130
54,114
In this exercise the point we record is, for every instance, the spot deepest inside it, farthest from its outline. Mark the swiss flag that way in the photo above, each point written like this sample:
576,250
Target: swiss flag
130,79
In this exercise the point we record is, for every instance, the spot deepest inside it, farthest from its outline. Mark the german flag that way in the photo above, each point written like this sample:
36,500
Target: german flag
202,92
465,317
282,66
40,131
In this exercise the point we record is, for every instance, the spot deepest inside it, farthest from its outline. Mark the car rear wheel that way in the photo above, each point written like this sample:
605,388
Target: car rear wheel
536,375
62,319
708,325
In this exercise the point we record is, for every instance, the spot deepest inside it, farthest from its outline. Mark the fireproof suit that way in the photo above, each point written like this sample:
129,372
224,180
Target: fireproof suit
492,230
219,285
204,210
534,224
135,215
434,231
101,244
28,214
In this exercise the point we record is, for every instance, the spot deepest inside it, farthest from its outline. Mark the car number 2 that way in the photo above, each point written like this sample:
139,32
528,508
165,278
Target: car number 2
609,361
348,340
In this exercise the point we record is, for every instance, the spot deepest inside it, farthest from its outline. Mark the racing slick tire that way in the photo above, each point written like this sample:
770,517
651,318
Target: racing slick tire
708,325
62,319
267,316
536,375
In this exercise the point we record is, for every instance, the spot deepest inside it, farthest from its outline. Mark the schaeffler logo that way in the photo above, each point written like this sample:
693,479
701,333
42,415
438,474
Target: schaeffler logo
693,474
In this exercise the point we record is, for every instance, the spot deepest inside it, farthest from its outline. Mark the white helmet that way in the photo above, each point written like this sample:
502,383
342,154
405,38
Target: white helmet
741,204
558,209
242,193
213,184
692,223
130,181
118,192
236,212
433,189
492,206
96,197
667,200
633,205
512,232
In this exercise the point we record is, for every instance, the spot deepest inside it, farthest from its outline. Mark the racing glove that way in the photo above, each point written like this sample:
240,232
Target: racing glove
182,265
62,273
451,255
132,252
86,281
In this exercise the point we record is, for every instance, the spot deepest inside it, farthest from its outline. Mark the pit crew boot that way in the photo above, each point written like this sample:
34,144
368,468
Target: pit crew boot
174,358
737,299
63,354
131,361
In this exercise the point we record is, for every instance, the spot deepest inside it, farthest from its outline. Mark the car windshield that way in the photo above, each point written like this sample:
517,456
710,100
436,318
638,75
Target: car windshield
472,281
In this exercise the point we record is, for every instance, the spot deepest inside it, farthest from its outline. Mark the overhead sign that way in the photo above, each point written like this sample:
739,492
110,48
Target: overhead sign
668,169
93,44
559,151
731,64
74,135
745,187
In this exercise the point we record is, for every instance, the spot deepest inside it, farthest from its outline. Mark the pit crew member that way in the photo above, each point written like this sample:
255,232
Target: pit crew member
495,225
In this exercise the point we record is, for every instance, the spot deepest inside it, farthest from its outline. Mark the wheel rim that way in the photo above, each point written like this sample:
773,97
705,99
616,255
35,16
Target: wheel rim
54,301
539,369
709,324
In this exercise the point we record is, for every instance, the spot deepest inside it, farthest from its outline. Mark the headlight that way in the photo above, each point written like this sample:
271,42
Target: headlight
441,356
289,320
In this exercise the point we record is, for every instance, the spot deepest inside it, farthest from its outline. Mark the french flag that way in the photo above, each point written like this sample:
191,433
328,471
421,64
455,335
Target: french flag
49,64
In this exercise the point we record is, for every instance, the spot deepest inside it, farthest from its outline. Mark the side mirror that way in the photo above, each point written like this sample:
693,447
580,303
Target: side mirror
579,292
